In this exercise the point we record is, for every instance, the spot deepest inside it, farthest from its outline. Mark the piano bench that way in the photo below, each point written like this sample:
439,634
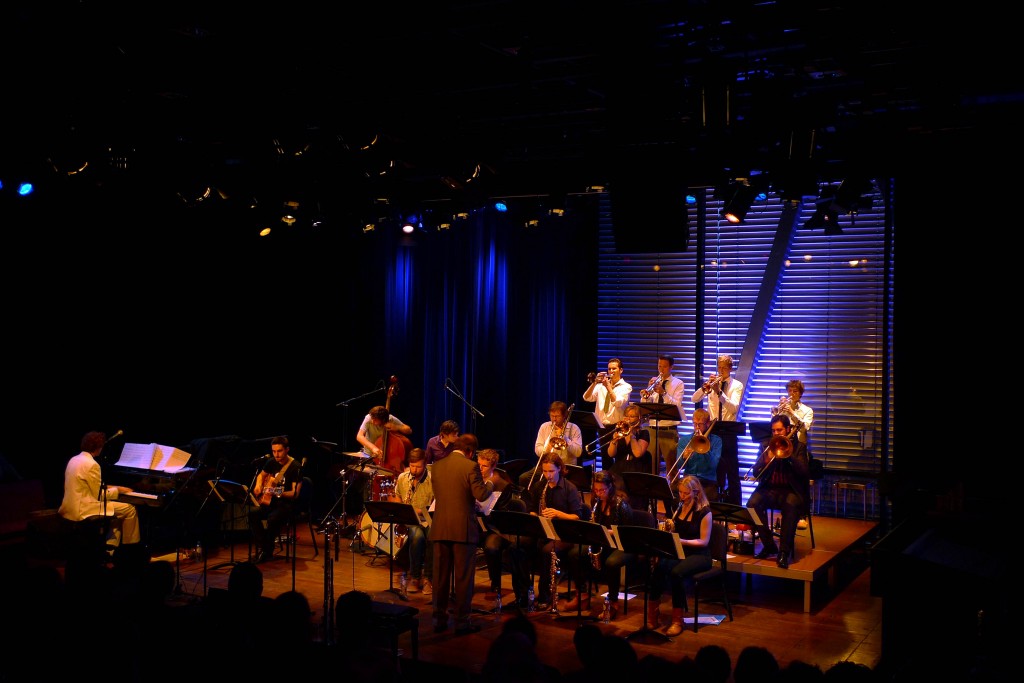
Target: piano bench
393,620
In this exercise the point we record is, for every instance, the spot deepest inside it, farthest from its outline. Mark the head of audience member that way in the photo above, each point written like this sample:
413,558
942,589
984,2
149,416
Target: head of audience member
587,641
846,671
713,664
245,582
798,671
755,664
291,614
352,612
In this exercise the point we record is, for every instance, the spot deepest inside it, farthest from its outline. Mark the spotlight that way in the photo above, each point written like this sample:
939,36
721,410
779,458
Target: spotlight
500,206
740,195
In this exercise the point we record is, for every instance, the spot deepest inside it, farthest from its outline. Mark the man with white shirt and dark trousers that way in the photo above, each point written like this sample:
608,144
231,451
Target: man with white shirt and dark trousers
665,388
610,394
724,394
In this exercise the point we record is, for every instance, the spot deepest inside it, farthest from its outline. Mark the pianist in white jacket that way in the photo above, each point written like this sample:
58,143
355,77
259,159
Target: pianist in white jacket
83,497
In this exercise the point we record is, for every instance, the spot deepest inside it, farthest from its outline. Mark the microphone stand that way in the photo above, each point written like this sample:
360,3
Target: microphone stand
344,406
469,405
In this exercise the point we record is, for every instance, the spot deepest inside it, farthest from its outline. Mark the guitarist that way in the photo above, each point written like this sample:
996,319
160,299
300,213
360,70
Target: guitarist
277,490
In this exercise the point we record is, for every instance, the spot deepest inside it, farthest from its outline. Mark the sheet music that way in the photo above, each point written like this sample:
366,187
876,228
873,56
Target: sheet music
153,456
549,528
487,505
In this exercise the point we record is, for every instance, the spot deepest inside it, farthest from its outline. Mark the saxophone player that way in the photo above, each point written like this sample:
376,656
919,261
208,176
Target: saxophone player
551,496
414,487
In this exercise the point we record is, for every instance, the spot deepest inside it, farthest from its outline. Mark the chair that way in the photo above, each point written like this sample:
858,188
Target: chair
303,512
718,573
634,577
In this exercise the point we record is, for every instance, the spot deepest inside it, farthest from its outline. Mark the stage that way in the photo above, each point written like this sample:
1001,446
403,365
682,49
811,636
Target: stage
834,538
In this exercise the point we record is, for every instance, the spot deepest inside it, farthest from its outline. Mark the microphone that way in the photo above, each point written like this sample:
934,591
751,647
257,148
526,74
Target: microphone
119,432
261,458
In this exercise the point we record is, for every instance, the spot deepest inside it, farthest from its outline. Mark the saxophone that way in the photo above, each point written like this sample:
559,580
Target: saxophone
554,568
595,558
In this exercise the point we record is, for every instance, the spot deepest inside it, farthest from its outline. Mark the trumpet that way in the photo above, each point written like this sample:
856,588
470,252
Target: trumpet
784,406
597,377
712,384
645,394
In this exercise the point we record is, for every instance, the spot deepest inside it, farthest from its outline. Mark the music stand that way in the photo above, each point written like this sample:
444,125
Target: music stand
381,512
581,476
654,413
648,486
582,533
232,493
736,514
643,540
519,524
760,431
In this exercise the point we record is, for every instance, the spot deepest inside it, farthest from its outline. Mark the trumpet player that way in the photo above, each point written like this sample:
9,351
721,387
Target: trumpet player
724,394
664,388
557,435
783,484
800,414
704,466
610,394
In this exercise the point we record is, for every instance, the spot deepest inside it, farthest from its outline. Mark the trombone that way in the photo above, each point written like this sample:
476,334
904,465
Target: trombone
699,443
779,447
622,430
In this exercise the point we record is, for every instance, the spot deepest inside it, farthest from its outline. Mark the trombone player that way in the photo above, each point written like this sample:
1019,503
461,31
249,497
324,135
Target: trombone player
558,436
782,472
699,455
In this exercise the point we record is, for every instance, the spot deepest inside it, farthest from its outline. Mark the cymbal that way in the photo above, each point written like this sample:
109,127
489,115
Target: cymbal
355,454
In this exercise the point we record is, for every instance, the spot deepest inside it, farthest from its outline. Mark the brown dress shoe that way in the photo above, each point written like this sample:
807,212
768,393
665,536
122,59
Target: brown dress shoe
676,627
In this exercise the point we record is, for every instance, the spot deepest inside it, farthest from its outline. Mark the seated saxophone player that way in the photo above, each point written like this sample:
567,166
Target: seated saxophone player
551,496
610,508
704,466
414,487
557,435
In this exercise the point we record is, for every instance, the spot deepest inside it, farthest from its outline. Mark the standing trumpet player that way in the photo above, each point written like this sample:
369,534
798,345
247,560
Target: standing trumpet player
800,414
664,388
610,394
724,394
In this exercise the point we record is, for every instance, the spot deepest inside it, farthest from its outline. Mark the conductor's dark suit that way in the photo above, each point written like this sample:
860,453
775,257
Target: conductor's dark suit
455,533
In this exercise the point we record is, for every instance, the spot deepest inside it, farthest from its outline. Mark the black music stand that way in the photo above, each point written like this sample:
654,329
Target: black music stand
649,486
760,431
582,533
654,413
381,512
581,476
643,540
519,524
736,514
232,493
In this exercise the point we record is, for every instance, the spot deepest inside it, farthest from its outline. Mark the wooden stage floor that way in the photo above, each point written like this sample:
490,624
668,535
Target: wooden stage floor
791,612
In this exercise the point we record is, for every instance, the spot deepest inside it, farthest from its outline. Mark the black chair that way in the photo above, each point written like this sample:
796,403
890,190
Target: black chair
718,573
303,513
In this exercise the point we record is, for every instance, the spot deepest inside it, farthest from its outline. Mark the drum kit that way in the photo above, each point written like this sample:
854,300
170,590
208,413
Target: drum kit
369,481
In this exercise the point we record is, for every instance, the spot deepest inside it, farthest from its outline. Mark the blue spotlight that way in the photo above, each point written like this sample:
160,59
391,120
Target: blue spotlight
25,189
501,206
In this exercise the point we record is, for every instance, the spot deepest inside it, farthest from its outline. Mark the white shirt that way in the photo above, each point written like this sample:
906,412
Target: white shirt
730,400
674,395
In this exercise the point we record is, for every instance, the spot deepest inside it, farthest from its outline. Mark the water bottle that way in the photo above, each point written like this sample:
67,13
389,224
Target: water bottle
529,600
497,607
606,615
405,585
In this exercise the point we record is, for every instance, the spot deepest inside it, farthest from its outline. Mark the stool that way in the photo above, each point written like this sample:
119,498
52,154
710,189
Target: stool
394,620
845,487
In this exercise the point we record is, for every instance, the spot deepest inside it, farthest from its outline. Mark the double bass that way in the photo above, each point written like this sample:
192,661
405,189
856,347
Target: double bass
394,447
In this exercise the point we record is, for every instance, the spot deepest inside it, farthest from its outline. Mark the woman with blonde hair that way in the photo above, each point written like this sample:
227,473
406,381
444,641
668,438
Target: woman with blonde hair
692,521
